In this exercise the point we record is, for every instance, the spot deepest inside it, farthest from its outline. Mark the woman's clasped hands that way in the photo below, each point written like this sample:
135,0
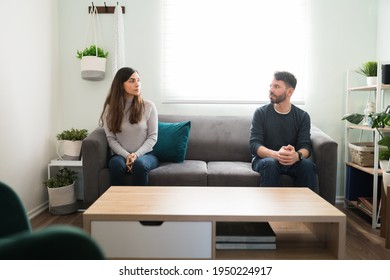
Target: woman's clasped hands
130,161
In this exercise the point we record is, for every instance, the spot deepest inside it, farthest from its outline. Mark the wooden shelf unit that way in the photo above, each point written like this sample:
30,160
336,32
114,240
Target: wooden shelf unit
374,171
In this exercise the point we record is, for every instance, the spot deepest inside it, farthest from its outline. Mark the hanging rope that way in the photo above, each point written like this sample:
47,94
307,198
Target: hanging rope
94,22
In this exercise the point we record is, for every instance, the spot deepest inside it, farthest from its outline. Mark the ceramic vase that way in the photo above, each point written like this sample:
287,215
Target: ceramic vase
386,179
372,81
69,150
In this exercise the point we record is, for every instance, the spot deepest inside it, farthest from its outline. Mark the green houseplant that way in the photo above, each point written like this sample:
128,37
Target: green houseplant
378,121
93,63
73,134
69,146
64,177
369,69
381,120
61,190
91,51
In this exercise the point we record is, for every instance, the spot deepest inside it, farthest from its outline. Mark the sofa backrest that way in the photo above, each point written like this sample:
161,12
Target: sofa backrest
216,138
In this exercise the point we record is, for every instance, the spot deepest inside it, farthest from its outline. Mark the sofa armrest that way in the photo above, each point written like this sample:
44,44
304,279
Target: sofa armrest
325,157
95,154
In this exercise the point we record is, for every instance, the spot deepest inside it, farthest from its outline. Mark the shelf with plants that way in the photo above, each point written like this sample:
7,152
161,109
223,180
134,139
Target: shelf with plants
368,170
369,88
368,128
374,173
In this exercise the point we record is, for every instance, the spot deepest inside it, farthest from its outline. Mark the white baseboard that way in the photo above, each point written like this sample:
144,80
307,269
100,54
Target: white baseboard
38,210
339,199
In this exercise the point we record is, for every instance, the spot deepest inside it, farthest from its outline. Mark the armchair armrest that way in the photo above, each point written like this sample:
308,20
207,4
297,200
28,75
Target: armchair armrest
325,157
95,152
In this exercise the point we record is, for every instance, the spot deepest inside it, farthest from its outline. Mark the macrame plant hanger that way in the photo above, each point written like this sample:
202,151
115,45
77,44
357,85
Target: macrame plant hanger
93,60
118,54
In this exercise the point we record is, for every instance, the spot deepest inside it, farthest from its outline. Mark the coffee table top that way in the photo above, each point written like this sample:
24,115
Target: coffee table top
213,204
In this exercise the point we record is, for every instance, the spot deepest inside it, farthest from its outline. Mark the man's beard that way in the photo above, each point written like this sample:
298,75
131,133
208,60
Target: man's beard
277,99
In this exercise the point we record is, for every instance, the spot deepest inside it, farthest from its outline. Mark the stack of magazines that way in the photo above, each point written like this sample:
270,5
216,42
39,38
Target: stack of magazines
365,204
245,236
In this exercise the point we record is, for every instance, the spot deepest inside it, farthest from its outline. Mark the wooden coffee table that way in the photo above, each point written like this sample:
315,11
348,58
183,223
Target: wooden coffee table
180,222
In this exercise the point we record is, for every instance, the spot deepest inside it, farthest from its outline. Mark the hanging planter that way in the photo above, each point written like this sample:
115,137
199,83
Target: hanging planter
93,63
93,58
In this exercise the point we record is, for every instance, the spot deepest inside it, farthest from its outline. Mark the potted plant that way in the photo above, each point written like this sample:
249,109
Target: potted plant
70,143
381,120
93,63
61,190
385,155
369,69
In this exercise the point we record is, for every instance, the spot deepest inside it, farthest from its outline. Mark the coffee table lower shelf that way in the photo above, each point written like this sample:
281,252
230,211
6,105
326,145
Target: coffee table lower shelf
293,241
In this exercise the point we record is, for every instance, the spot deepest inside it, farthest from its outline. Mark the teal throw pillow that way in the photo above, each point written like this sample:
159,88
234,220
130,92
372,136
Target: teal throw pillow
172,141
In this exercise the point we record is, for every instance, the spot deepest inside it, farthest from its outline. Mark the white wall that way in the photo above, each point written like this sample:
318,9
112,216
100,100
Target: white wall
383,46
29,112
344,36
41,91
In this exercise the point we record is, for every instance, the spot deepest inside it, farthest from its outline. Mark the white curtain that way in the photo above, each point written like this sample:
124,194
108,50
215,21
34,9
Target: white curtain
118,56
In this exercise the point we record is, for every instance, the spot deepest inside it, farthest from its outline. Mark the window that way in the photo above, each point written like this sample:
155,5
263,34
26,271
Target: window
224,51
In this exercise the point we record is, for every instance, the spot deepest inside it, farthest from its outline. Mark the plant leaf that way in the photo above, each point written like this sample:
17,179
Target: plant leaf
355,118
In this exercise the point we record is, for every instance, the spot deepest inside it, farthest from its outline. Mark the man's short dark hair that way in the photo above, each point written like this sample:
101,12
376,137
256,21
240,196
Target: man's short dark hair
288,78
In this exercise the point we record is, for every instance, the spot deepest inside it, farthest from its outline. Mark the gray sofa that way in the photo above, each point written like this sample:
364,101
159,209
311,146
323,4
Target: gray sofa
217,155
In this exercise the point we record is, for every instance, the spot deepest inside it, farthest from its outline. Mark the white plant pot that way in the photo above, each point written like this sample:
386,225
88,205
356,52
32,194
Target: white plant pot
372,81
69,150
384,164
93,68
386,179
62,200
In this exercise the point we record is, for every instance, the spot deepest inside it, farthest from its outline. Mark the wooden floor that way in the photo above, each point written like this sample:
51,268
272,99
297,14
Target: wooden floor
363,242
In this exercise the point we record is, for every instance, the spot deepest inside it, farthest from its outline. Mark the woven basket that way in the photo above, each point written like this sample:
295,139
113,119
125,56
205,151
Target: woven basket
362,153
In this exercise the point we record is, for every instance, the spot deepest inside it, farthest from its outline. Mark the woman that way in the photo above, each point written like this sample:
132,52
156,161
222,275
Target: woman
130,123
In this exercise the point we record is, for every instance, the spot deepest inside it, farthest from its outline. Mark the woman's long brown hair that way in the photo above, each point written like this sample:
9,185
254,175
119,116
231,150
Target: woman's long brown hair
116,99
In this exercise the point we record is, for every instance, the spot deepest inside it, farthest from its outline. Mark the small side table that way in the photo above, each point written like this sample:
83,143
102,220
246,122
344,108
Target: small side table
76,165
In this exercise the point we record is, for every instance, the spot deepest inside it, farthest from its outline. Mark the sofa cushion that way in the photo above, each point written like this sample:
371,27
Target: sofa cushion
218,138
172,141
187,173
232,173
236,173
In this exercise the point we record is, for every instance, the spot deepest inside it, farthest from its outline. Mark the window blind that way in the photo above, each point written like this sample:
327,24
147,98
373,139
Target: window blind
224,51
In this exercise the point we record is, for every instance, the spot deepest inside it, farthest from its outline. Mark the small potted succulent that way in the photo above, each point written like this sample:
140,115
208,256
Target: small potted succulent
369,69
61,190
93,63
70,143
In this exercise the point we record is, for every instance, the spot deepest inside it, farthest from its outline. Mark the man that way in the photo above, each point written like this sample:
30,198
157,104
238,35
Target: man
280,137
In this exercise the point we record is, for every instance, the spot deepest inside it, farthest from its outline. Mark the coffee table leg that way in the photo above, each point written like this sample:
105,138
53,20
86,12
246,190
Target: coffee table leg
213,241
333,234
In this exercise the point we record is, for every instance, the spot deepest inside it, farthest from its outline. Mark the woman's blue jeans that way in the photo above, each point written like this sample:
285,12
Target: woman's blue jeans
304,172
140,170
